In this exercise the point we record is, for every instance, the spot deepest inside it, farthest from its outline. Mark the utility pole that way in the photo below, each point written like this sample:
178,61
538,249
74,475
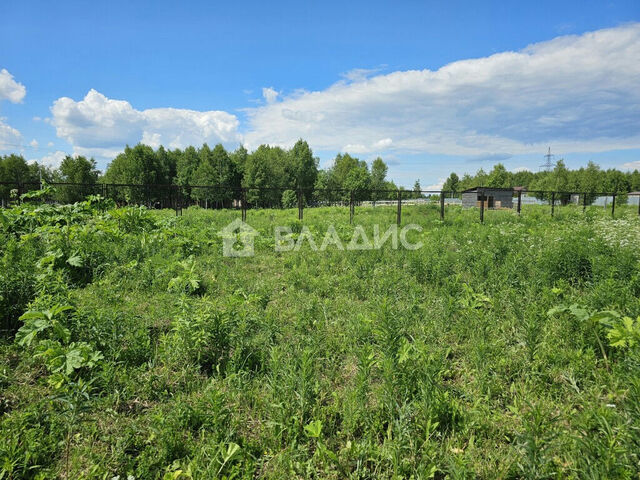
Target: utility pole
547,165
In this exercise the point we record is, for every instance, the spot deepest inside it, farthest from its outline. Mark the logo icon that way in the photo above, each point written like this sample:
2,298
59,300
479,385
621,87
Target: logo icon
237,239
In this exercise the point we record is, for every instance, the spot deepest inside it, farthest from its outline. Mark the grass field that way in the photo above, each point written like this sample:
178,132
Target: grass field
503,350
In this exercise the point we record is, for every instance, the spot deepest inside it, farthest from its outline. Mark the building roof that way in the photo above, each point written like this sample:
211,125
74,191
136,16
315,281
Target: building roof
633,193
487,189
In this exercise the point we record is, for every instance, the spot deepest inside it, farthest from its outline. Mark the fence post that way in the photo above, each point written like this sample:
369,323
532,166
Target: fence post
300,206
442,206
175,198
351,207
481,191
399,214
553,202
639,205
243,201
613,206
584,202
519,201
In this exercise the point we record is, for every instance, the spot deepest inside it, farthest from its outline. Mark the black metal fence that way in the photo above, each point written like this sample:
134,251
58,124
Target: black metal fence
178,197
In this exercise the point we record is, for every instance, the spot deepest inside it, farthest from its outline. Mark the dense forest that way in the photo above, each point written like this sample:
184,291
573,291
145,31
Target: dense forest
273,174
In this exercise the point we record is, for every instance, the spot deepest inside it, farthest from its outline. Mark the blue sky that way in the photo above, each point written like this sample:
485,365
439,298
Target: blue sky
430,87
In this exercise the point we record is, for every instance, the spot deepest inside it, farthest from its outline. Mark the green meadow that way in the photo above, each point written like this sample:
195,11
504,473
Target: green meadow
133,349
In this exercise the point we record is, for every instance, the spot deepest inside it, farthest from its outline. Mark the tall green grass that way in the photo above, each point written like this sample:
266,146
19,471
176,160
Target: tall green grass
443,362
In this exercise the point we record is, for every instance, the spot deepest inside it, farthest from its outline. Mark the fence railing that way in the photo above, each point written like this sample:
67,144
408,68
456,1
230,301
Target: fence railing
178,197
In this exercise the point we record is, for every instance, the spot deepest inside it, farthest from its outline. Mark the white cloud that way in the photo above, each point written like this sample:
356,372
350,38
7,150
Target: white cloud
10,89
101,127
9,136
576,93
14,92
357,148
270,95
33,143
382,144
435,186
52,160
50,144
378,146
631,165
521,169
359,74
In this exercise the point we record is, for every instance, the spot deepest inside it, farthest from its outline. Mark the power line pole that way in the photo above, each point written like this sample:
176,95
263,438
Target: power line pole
548,164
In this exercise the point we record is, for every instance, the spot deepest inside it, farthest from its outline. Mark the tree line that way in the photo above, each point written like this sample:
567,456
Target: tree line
590,179
271,174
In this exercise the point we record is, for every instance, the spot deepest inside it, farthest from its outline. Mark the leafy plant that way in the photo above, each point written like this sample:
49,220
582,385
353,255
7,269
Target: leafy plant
64,360
37,323
623,332
314,431
590,318
472,300
187,281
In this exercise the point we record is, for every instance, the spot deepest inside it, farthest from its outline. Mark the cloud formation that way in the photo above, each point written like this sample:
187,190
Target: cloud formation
269,94
52,160
631,165
9,136
14,92
577,93
10,89
101,127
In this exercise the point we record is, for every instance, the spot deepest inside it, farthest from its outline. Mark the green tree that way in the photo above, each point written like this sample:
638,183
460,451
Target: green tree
205,175
303,165
416,189
466,182
634,180
77,170
342,166
15,170
379,171
265,168
452,184
522,178
499,177
186,164
238,159
349,173
289,199
481,178
215,169
358,181
591,181
561,182
166,161
135,166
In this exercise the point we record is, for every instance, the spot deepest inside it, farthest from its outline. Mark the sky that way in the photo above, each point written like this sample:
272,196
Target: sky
431,87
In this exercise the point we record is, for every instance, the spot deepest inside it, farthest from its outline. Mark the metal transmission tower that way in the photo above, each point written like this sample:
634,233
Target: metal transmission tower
548,164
